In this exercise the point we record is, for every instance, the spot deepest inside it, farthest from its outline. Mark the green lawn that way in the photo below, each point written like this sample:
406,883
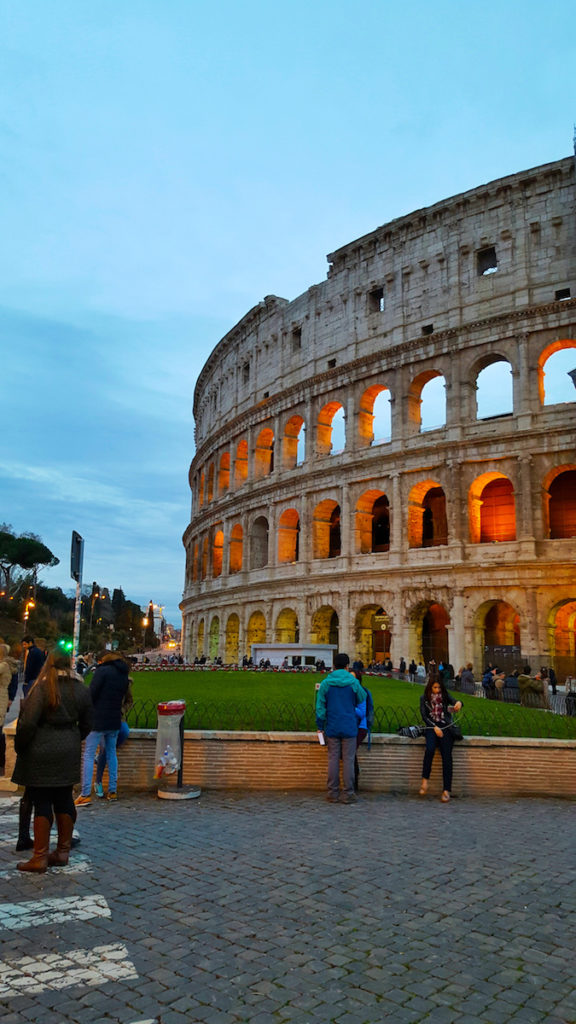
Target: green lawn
285,701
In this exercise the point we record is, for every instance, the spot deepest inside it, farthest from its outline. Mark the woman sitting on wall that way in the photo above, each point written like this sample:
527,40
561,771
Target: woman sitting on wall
436,708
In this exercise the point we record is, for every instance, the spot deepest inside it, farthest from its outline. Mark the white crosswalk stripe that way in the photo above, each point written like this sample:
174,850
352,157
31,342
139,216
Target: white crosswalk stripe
33,913
33,974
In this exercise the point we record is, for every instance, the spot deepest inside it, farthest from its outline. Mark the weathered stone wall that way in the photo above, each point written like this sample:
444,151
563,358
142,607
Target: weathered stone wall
401,306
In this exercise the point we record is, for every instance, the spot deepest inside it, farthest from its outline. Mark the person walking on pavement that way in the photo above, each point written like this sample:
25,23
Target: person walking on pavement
340,705
53,721
34,658
108,688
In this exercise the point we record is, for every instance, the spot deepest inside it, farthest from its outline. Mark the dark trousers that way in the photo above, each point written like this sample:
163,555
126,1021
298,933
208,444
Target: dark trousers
49,800
444,744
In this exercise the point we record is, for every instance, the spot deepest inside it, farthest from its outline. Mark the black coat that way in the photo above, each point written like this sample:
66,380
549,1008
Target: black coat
34,661
48,741
108,689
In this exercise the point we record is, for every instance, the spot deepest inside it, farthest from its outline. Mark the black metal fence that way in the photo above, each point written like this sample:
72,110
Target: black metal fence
478,718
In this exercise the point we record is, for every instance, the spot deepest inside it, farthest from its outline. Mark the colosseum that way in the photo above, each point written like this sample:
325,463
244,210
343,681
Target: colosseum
347,487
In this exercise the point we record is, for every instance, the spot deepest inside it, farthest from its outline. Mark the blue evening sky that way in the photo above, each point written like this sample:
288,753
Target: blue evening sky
166,164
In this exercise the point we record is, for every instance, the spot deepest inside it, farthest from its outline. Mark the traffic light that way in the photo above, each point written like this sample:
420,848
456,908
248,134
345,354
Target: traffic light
65,644
76,556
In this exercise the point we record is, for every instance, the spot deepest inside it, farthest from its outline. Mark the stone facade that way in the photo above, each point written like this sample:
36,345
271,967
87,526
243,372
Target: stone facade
456,542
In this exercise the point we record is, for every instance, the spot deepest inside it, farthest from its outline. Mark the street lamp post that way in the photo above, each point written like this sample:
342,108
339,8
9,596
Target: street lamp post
92,603
144,628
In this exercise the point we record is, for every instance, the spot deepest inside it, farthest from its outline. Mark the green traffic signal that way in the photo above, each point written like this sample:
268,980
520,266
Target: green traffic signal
65,644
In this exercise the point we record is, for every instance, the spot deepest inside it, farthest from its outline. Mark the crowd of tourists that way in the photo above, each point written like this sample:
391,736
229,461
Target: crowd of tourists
55,712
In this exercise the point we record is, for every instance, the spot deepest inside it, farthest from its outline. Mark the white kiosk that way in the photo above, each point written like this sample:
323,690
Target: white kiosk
306,655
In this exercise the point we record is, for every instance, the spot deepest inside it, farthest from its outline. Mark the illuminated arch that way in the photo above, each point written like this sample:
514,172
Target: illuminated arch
325,626
372,522
236,548
498,635
204,570
214,638
289,536
428,622
324,427
256,631
491,509
287,630
550,350
217,553
326,530
292,442
201,490
195,562
427,520
562,637
200,639
231,654
210,485
259,543
241,463
374,416
264,454
372,634
560,502
224,473
417,415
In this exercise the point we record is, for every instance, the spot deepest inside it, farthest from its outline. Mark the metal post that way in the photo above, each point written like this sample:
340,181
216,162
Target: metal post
181,768
77,611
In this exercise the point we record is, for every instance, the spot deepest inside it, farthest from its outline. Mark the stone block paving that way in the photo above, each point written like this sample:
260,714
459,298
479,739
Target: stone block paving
278,908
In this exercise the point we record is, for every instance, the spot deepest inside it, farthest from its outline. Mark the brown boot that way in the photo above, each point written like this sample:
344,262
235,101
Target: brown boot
39,859
59,858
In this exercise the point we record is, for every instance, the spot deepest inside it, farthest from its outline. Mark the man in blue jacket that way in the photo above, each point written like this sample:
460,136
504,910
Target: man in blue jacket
108,689
340,704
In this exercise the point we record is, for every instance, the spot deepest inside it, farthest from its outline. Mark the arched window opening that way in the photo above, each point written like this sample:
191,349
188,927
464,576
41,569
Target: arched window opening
264,454
373,636
214,638
224,473
374,417
201,491
236,548
256,631
331,429
232,640
498,624
381,524
554,367
289,536
427,519
195,563
326,530
562,505
494,390
563,639
204,558
241,464
259,543
217,553
325,626
433,404
293,443
497,513
200,640
287,630
435,634
210,487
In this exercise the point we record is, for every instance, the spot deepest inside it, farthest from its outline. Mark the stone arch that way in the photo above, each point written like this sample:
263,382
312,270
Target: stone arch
200,639
374,416
324,423
241,463
428,622
195,562
214,638
560,503
494,390
256,631
201,490
264,454
562,637
427,518
259,543
372,634
224,473
287,630
415,401
325,626
210,483
294,432
372,522
236,548
232,640
491,509
217,552
561,345
497,635
326,529
205,554
289,536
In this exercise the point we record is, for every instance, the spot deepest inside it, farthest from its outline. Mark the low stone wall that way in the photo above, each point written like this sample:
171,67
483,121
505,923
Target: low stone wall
483,766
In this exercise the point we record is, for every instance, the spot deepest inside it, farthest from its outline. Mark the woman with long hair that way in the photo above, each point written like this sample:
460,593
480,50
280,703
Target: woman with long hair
54,719
436,708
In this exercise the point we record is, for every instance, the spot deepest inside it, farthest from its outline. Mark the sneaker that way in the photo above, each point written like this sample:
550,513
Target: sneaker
99,790
112,796
82,801
348,798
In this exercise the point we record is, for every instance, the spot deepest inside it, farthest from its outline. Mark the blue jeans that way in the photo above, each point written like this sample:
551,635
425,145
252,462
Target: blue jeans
108,740
101,762
444,744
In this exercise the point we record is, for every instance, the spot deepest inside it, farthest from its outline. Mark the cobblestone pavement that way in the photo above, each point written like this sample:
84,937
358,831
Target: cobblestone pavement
283,908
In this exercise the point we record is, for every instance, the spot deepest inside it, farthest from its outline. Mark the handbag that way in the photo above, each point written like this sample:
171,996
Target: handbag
457,733
412,732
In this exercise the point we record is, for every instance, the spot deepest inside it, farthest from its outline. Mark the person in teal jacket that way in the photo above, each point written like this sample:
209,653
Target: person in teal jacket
340,706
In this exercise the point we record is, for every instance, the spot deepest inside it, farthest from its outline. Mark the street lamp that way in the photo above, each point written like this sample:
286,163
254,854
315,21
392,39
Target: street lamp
95,597
144,628
29,604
